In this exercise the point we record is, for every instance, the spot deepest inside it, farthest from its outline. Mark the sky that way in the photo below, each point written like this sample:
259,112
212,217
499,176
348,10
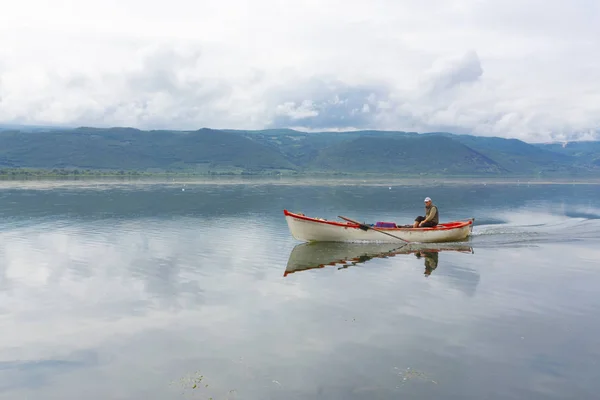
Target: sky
525,69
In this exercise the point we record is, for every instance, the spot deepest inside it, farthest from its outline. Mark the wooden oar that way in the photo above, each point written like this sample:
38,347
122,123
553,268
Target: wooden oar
365,227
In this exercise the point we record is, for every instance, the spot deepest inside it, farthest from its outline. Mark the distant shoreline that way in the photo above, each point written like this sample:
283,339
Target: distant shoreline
297,180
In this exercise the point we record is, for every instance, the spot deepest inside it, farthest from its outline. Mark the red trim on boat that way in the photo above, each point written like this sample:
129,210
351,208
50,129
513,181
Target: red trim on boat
304,217
441,227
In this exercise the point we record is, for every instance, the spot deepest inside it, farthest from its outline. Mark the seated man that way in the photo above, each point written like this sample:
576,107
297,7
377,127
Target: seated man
431,217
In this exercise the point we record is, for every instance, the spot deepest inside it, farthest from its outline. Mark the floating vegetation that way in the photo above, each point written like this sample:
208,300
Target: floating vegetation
412,374
195,383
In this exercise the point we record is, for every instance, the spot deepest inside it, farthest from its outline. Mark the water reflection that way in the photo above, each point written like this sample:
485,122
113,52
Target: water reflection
308,256
139,286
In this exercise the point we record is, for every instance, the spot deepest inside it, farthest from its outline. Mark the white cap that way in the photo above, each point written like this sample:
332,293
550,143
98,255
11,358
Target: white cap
427,199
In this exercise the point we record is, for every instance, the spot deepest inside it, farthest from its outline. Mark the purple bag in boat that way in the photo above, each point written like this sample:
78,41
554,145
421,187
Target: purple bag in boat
380,224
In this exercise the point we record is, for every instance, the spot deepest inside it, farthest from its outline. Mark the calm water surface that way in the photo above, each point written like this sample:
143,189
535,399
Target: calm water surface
139,290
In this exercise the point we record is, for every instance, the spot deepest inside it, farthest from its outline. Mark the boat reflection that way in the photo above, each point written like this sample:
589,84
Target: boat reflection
307,256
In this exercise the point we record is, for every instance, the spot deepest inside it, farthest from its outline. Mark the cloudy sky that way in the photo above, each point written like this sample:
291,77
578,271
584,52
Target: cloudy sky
528,69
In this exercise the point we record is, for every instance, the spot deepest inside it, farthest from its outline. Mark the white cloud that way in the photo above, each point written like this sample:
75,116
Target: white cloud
293,111
529,70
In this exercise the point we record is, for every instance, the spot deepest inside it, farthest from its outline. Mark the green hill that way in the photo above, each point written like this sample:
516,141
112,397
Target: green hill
518,157
585,153
302,148
290,151
132,149
416,155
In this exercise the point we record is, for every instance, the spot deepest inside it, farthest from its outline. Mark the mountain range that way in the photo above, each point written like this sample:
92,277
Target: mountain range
287,151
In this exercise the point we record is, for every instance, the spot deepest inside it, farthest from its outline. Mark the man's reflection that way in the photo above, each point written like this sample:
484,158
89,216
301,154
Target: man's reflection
431,260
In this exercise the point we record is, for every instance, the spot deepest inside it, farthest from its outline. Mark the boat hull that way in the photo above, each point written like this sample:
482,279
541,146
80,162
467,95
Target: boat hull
319,230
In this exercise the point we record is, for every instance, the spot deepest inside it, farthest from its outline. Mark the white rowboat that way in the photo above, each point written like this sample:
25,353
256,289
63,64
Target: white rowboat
321,230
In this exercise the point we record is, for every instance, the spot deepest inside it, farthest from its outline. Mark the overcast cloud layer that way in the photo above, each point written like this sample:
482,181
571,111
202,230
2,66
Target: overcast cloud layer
528,69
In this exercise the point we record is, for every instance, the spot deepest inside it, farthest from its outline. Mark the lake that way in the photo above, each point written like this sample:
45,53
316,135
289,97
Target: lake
193,289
